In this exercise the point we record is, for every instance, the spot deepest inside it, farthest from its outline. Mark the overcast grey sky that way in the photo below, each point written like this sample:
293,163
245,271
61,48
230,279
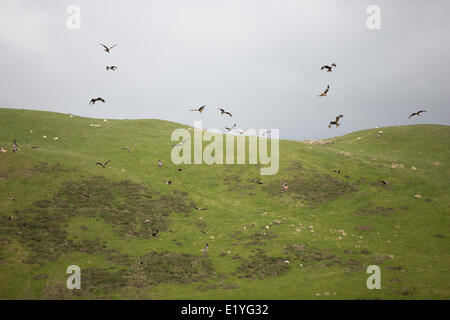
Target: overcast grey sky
259,59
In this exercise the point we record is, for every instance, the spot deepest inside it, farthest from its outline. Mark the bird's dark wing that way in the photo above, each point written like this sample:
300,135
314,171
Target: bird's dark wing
113,46
104,46
100,164
325,67
412,114
107,162
221,110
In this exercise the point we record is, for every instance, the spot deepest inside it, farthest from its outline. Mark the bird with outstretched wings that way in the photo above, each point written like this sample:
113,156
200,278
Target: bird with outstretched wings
103,164
94,100
417,113
199,109
336,122
106,48
229,129
222,111
324,94
329,68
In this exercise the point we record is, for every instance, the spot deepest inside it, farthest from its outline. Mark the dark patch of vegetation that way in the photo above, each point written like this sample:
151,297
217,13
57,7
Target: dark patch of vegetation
167,267
377,210
317,189
306,256
129,207
260,266
253,238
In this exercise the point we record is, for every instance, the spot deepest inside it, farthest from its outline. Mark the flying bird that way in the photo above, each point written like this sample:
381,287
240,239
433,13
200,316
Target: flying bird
335,122
103,164
229,129
329,68
225,112
106,48
417,113
206,249
324,94
94,100
199,109
112,68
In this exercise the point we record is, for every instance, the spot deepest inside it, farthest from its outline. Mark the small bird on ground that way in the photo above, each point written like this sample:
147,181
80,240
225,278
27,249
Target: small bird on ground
168,182
181,169
87,195
225,112
229,129
258,182
324,94
3,149
205,250
329,68
154,234
417,113
199,109
94,100
336,122
160,164
103,164
106,48
284,187
200,209
11,197
15,146
126,148
337,170
112,68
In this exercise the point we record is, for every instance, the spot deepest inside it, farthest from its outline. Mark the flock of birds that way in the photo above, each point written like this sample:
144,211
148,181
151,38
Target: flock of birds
284,186
328,68
336,123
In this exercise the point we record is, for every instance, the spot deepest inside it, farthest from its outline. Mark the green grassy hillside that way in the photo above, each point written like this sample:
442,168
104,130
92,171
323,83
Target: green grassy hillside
329,226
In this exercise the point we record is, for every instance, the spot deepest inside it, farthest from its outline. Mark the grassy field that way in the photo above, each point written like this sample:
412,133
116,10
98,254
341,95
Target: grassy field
329,226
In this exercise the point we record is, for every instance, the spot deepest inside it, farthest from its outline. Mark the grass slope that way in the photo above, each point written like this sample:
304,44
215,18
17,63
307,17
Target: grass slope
329,226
